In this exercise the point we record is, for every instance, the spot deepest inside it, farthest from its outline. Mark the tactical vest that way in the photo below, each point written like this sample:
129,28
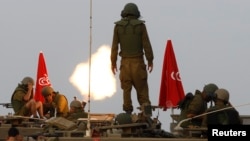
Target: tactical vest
130,37
17,100
224,117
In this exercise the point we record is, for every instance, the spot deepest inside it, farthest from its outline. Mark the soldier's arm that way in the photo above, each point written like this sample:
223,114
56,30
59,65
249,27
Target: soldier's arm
114,50
147,45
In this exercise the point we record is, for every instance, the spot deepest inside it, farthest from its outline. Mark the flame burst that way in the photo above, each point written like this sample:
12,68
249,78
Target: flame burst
102,80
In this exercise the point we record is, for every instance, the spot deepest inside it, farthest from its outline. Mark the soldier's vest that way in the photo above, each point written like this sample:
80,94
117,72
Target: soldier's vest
130,37
65,109
224,117
17,100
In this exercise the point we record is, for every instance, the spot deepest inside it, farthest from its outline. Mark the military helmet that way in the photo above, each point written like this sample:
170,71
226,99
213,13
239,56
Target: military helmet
76,104
130,9
123,118
210,88
222,94
26,80
47,90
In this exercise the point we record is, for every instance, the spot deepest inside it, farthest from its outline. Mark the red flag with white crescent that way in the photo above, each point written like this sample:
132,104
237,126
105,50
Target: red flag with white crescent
42,78
171,89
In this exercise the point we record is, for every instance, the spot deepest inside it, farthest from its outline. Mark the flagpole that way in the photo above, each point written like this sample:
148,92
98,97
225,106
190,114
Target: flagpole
90,46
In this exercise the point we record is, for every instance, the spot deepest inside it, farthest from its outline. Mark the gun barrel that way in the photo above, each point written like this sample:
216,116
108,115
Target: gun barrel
6,105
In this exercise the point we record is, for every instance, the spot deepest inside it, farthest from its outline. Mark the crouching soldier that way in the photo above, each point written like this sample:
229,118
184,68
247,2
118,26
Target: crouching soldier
222,113
23,102
55,100
76,112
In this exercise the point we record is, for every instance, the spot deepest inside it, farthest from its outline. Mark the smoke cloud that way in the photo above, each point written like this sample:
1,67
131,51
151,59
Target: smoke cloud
102,81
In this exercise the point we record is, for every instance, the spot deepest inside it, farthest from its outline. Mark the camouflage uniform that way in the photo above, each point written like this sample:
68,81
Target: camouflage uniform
183,105
22,99
17,101
196,107
131,34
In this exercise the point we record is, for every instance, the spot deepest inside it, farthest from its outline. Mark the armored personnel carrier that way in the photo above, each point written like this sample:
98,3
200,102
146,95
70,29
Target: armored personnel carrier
98,126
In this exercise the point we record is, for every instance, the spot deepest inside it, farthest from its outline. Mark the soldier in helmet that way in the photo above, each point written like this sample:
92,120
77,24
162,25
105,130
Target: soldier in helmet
131,42
76,110
22,99
55,100
198,105
183,106
223,112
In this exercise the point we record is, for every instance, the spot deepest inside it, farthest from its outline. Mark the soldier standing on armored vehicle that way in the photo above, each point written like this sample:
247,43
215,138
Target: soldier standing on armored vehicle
131,35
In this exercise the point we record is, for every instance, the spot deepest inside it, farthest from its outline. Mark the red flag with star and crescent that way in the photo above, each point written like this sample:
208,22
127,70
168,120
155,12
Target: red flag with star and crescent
42,78
171,89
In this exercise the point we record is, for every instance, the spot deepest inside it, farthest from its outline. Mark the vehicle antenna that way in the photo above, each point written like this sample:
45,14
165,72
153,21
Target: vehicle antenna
90,51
